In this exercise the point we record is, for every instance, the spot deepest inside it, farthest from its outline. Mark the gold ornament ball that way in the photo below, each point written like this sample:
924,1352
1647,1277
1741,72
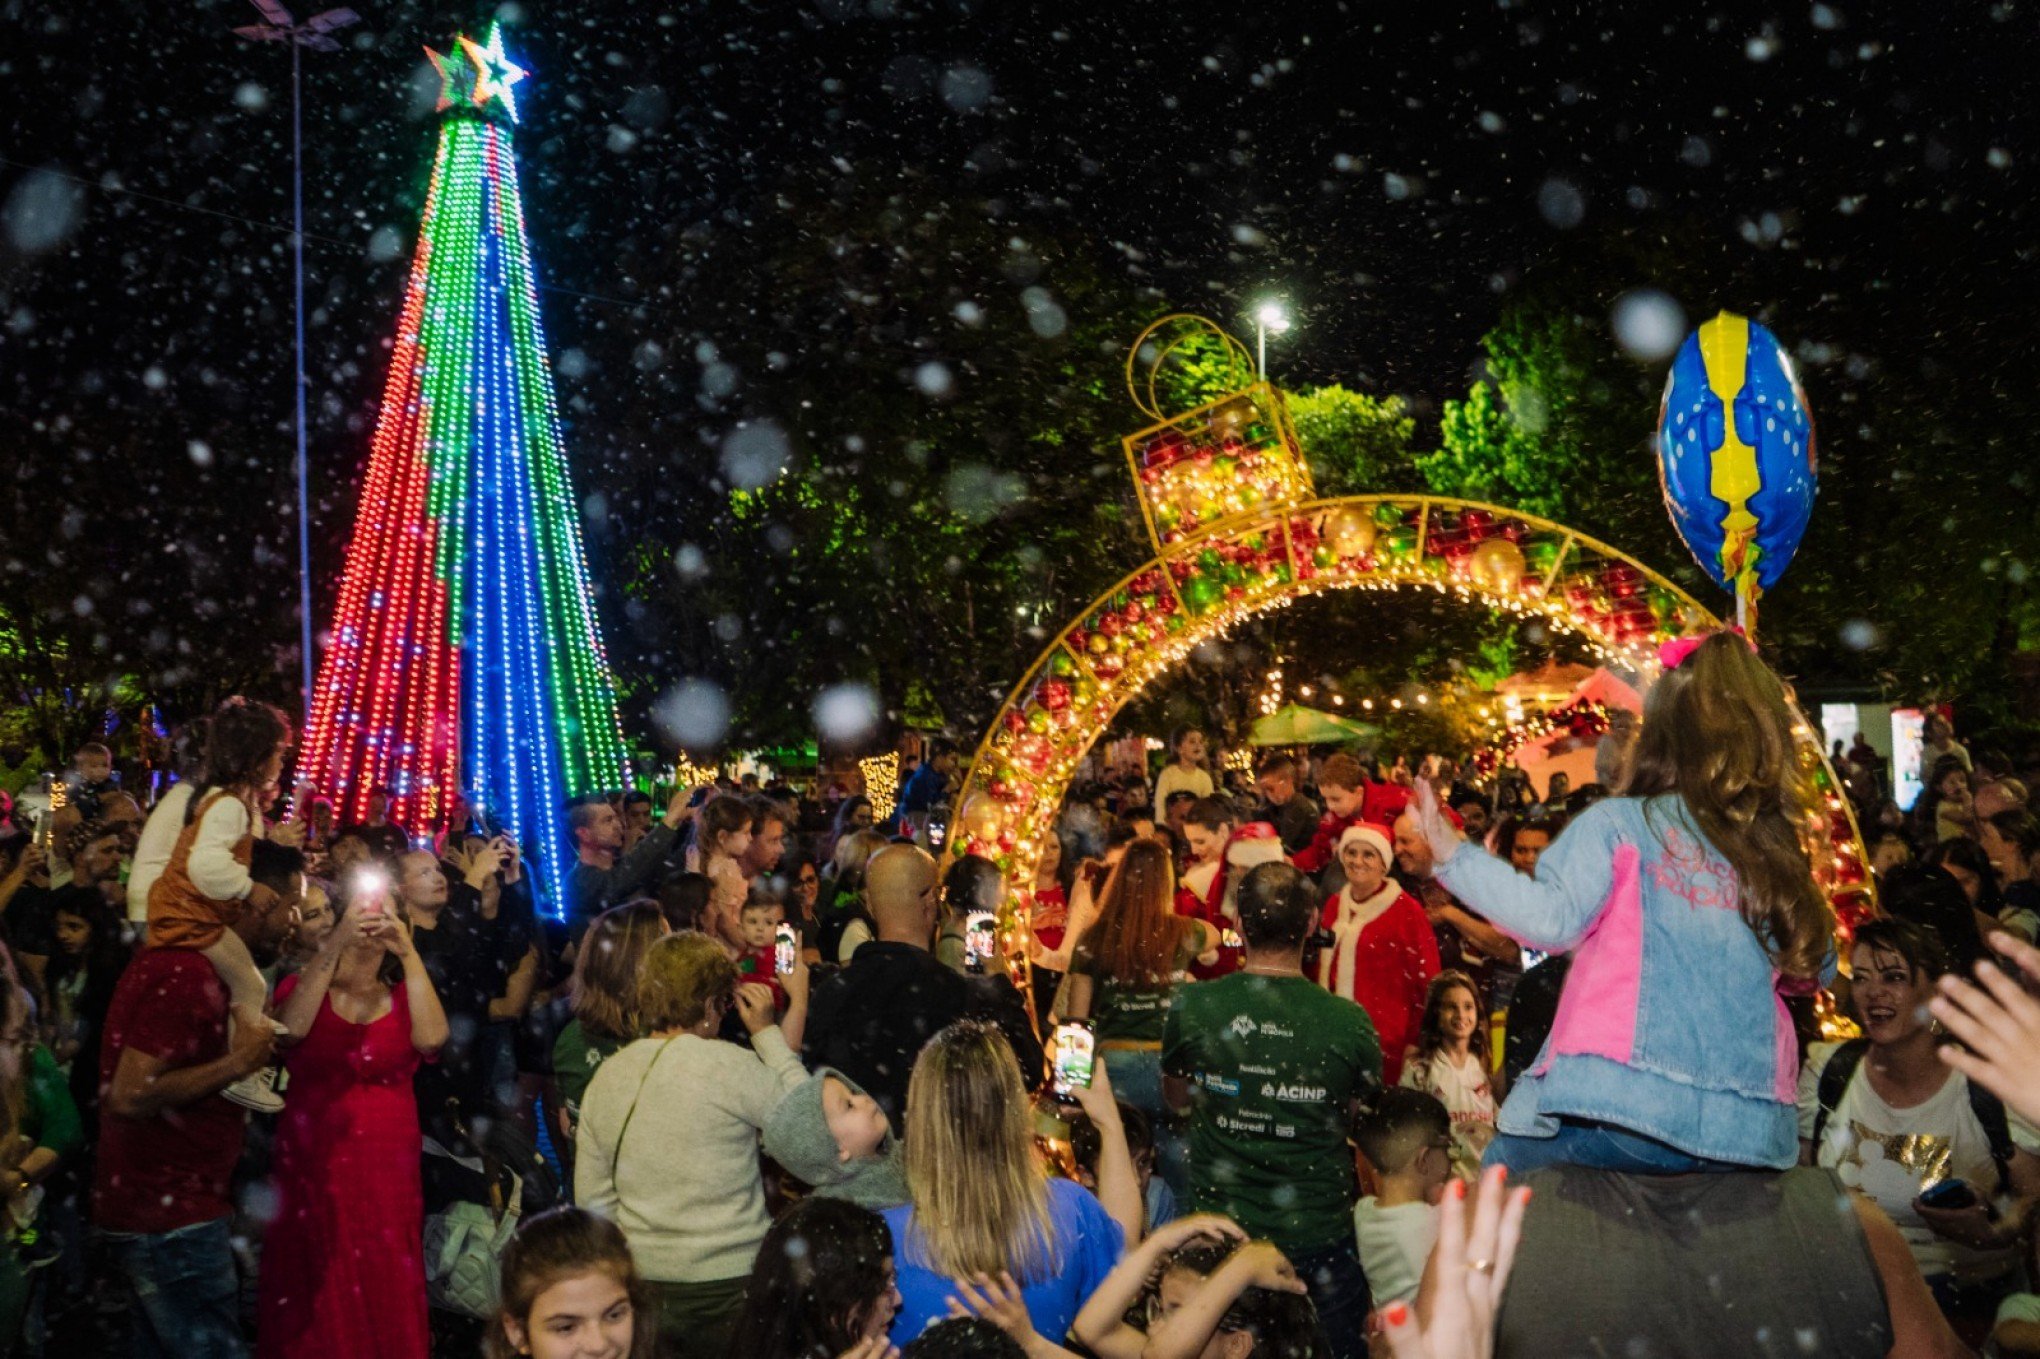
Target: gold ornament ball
1498,564
1234,416
981,816
1349,532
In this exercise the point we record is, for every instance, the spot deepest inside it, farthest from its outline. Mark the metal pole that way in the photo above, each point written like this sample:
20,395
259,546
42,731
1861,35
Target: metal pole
304,513
1261,349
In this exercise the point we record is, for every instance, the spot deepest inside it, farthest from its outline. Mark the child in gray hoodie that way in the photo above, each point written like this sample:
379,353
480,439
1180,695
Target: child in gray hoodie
832,1136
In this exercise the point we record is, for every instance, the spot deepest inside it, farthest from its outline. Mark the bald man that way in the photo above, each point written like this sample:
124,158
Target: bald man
870,1020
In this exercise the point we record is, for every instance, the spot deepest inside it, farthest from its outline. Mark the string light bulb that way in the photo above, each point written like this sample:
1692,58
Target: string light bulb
881,783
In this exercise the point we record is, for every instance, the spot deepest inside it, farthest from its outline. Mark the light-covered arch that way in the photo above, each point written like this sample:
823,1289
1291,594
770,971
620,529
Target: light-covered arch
1205,583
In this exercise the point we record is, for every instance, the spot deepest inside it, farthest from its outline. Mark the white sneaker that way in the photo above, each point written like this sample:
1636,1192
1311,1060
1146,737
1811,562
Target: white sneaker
257,1092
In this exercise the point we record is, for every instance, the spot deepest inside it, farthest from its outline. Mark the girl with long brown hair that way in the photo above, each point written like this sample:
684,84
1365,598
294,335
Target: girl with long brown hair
983,1203
1689,906
1126,966
1451,1063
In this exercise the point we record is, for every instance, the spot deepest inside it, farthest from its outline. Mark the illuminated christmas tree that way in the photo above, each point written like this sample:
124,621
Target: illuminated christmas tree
464,657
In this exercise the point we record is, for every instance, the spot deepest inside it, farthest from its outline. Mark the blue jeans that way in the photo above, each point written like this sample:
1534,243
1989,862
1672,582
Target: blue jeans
1137,1079
1597,1146
1338,1288
186,1292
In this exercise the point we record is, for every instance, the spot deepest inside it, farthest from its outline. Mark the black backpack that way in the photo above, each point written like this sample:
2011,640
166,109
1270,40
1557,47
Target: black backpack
1988,1108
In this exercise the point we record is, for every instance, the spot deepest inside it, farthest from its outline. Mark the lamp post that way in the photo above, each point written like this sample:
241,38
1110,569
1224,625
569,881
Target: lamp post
280,26
1269,317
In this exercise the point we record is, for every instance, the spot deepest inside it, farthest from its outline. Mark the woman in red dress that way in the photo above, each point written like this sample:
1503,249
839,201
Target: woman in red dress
343,1270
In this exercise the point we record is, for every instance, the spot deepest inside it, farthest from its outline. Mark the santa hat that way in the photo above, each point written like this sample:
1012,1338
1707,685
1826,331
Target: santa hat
1368,833
1252,845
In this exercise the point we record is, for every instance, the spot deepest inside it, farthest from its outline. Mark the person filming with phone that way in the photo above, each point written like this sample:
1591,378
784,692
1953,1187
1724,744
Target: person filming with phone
668,1143
343,1268
604,874
981,1201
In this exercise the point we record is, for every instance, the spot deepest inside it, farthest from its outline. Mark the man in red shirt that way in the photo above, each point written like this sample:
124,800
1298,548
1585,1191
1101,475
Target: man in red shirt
168,1142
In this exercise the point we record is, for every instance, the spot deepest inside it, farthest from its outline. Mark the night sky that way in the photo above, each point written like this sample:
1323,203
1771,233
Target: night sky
1858,175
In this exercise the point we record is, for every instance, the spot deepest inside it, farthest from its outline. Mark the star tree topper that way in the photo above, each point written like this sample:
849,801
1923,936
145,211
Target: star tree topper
478,75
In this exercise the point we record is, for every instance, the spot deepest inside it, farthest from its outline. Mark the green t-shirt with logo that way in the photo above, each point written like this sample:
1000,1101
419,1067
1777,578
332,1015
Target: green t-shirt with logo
1274,1064
1134,1014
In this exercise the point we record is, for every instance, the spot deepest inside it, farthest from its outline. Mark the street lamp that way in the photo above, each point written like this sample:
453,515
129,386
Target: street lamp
280,26
1269,317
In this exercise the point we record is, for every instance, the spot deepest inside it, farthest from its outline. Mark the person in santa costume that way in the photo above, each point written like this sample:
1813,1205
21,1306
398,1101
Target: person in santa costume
1220,858
1383,953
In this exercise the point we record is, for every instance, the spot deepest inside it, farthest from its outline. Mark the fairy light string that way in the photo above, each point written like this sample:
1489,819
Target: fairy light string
464,657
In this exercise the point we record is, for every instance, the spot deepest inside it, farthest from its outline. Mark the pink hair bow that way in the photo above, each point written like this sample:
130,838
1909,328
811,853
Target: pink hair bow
1673,654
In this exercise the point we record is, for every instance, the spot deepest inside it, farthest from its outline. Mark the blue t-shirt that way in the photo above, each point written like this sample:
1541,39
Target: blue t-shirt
1087,1246
924,789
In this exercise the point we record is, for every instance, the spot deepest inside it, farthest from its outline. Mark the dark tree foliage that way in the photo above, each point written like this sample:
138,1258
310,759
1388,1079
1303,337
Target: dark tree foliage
756,224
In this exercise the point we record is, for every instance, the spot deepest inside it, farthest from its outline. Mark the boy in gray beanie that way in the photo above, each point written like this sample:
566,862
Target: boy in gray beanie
831,1135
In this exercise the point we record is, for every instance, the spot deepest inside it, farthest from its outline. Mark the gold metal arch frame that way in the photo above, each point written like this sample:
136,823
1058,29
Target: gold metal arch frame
1148,349
1202,584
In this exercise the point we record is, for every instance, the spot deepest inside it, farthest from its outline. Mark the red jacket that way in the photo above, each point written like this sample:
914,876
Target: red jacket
1382,803
1323,848
1388,973
1209,909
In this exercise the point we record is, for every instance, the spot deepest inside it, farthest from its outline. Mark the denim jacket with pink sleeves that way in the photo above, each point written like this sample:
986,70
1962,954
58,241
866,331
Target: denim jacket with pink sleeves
1671,1023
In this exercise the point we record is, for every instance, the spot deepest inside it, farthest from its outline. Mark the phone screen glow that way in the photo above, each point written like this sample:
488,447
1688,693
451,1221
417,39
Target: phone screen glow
1075,1058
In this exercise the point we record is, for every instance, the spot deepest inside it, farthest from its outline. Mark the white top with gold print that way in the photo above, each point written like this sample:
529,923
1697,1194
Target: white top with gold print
1894,1154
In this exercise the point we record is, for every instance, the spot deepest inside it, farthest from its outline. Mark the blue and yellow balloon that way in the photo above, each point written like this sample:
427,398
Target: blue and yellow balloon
1736,456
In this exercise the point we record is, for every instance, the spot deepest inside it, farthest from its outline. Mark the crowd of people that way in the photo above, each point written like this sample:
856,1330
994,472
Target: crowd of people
275,1083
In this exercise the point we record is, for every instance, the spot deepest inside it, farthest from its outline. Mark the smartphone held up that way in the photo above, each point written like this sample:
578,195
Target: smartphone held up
1074,1055
369,888
980,940
785,949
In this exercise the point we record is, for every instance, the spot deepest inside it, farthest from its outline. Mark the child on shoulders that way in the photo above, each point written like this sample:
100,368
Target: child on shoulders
1690,908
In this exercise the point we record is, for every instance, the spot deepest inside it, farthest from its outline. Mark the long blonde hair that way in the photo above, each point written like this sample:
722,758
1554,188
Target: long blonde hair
1717,733
979,1192
17,1034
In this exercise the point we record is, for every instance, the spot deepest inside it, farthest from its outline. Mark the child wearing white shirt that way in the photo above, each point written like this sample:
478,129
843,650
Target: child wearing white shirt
1406,1136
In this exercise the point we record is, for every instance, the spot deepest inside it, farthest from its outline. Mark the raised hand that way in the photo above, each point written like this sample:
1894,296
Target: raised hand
1096,1098
1999,1025
998,1301
1462,1290
395,933
1267,1267
1197,1227
1432,821
754,1006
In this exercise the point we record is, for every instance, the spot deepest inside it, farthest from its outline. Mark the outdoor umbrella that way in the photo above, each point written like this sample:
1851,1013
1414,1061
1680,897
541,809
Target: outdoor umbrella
1297,725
